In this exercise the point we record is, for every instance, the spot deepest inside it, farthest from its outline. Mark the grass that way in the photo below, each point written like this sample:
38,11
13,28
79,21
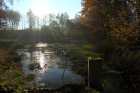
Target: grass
11,74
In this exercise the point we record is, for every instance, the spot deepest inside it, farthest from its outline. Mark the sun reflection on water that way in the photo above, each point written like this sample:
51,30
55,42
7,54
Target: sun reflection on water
42,60
51,70
41,45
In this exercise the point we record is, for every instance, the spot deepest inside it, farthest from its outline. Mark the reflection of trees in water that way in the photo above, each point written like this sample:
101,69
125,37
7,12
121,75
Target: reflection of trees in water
54,67
34,66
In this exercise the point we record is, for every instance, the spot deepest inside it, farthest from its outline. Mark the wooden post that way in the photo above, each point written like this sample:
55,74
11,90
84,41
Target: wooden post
89,58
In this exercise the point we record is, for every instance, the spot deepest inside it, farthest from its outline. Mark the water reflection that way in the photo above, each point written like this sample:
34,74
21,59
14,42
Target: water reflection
52,72
41,45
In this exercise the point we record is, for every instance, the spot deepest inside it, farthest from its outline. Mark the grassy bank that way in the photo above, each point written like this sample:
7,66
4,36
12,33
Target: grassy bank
11,75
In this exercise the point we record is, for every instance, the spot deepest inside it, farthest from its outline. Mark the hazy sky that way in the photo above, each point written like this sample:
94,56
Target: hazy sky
44,7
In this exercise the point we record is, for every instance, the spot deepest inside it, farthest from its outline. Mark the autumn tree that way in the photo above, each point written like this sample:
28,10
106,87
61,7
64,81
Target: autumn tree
3,12
115,18
93,16
115,27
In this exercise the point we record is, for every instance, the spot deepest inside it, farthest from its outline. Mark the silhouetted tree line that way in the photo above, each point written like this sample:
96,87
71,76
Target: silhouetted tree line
9,19
60,29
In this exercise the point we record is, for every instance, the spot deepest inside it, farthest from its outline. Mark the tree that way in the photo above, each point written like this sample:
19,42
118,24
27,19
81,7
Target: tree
3,12
13,18
3,22
93,17
115,27
31,19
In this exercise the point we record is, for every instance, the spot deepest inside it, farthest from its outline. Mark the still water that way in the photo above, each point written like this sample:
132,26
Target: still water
52,70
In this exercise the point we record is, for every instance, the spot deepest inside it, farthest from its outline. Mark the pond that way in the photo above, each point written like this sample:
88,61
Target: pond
51,70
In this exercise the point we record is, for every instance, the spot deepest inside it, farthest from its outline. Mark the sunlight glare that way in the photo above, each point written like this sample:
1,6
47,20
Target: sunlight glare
42,60
39,8
41,45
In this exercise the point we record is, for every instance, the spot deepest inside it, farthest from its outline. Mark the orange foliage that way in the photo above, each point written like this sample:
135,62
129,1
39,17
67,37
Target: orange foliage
2,14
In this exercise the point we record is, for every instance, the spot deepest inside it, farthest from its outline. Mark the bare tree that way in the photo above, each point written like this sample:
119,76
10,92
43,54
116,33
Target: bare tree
31,19
13,19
